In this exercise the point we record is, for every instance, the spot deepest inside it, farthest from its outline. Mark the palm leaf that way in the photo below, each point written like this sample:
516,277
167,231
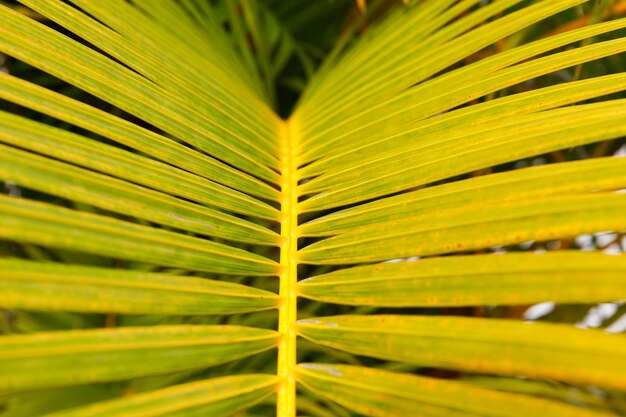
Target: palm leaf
153,194
39,223
383,393
58,358
482,345
217,397
49,286
523,278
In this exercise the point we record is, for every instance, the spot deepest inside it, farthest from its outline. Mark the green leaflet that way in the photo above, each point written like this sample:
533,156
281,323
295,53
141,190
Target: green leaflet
397,116
34,222
44,401
426,63
209,52
64,180
576,177
198,90
396,134
129,134
378,393
77,357
473,228
217,397
70,147
381,56
401,31
437,157
552,351
546,389
57,287
525,278
69,60
453,42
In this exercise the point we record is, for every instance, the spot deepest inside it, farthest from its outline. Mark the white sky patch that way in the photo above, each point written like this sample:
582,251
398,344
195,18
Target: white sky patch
409,259
596,315
585,242
613,249
604,239
539,310
618,326
394,261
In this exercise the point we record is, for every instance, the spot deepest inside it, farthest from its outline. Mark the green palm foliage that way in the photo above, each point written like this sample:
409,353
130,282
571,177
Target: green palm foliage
170,245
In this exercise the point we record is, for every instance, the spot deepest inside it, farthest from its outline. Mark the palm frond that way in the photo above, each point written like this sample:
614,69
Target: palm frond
163,229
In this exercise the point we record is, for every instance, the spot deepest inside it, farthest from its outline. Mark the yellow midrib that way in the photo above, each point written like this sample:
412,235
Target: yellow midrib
287,313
